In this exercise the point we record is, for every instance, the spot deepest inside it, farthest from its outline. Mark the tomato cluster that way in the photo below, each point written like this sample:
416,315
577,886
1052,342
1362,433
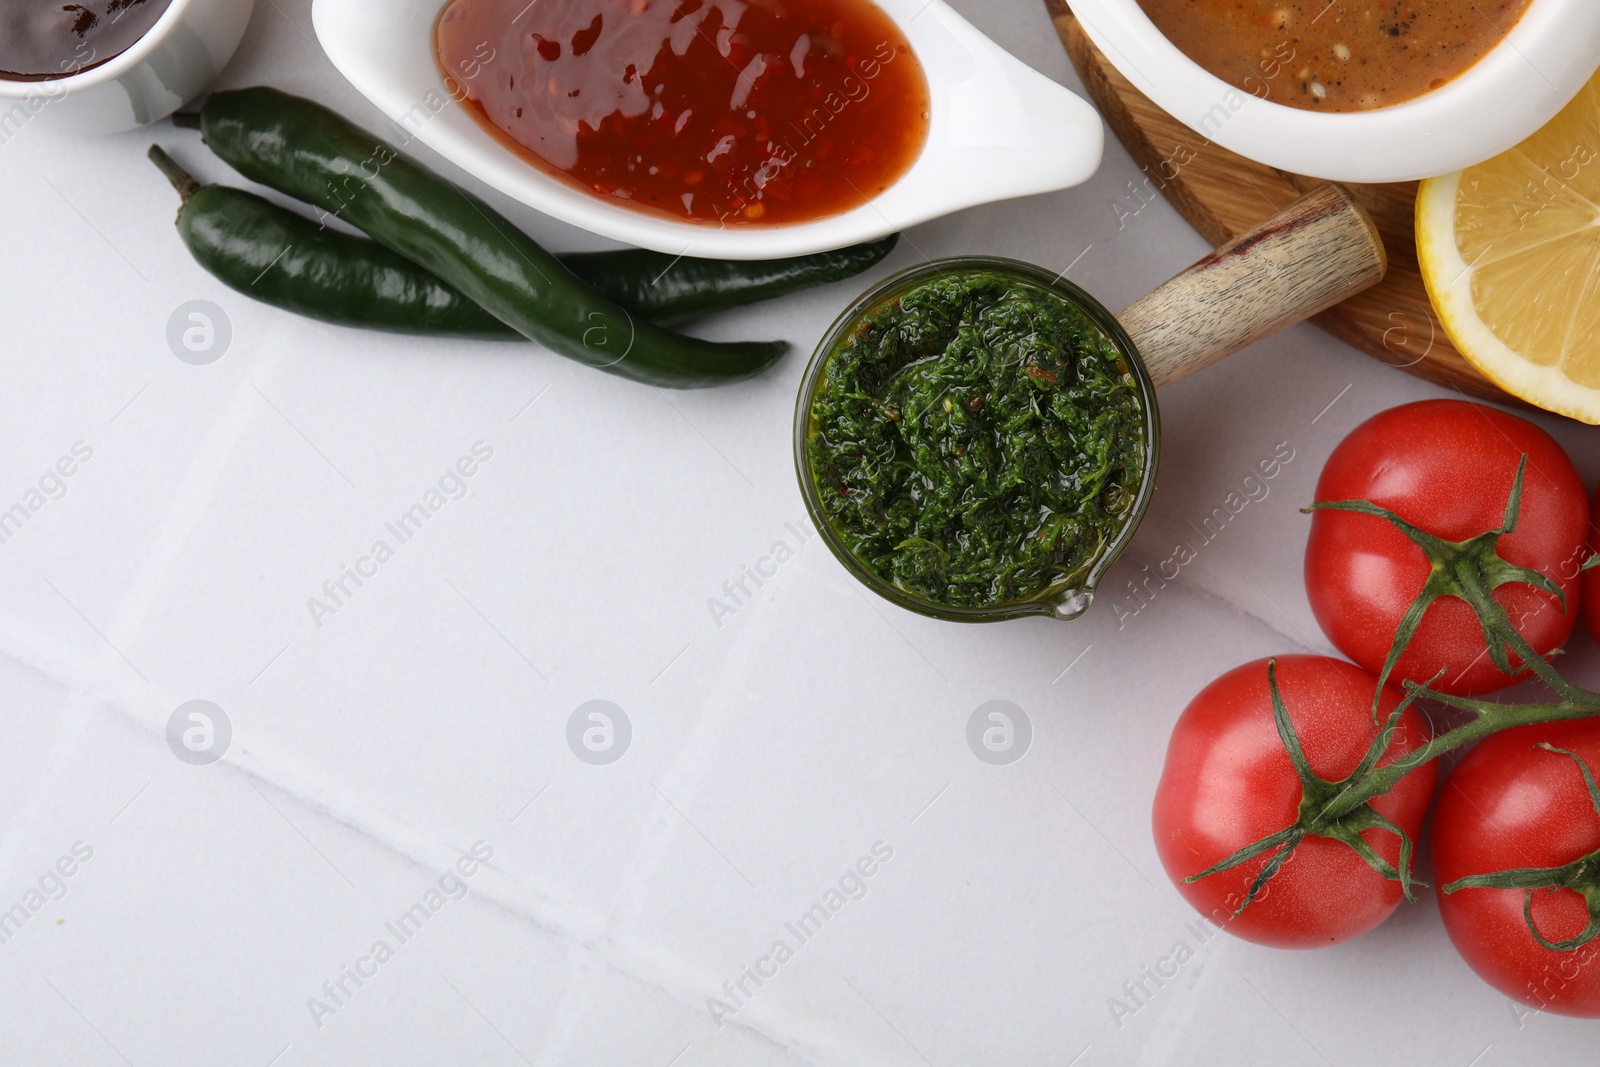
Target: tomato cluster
1446,538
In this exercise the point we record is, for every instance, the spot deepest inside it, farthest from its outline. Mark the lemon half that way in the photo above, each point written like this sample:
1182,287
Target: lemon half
1510,253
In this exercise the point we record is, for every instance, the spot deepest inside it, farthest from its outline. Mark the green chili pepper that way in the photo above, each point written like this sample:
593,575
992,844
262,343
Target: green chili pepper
668,289
277,256
286,260
301,148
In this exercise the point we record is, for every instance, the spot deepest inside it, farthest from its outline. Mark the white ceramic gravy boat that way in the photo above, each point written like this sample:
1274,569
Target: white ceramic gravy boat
998,129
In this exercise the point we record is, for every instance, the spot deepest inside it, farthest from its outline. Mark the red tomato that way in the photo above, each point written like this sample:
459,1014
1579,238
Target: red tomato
1591,584
1511,805
1229,782
1446,466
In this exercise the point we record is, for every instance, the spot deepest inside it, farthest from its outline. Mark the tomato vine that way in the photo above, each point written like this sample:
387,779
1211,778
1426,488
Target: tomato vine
1470,570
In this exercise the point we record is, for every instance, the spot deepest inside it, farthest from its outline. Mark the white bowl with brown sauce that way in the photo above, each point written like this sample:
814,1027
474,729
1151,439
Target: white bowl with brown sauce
1326,92
102,66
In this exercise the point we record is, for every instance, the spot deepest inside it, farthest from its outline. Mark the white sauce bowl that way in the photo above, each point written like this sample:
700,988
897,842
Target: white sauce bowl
1515,89
170,65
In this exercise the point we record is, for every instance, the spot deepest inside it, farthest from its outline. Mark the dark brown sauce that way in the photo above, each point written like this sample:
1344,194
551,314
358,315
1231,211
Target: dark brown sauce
45,39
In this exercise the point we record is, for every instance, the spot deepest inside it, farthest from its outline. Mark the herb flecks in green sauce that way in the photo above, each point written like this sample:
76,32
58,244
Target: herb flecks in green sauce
977,441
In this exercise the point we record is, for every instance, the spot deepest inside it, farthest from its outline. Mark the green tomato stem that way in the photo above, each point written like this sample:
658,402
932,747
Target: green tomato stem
1491,719
1471,571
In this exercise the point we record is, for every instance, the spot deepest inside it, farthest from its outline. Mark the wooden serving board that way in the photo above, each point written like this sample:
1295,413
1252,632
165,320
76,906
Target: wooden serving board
1222,195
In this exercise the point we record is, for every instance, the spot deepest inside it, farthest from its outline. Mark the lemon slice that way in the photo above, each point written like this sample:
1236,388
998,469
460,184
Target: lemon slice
1510,253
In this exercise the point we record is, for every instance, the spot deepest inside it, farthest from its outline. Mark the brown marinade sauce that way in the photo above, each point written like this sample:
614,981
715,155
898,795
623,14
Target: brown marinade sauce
1343,55
45,39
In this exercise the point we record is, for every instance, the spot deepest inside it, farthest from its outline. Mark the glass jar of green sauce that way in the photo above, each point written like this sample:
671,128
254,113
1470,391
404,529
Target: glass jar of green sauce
976,439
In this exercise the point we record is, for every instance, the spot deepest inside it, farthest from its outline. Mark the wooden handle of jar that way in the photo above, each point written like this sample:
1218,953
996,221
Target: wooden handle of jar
1316,252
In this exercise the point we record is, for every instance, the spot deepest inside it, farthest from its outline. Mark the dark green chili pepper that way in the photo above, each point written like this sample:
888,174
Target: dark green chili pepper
274,255
668,289
286,260
307,151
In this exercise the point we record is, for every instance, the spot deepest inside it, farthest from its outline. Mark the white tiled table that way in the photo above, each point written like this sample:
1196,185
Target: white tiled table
768,753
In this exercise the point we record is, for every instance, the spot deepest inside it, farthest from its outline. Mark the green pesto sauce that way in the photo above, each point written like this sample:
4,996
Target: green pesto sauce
977,441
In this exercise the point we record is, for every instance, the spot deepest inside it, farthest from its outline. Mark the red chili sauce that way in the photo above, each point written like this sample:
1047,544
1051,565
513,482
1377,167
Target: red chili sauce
737,112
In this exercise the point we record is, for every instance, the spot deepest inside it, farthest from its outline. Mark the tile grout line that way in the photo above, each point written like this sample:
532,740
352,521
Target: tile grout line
1224,602
348,807
95,682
